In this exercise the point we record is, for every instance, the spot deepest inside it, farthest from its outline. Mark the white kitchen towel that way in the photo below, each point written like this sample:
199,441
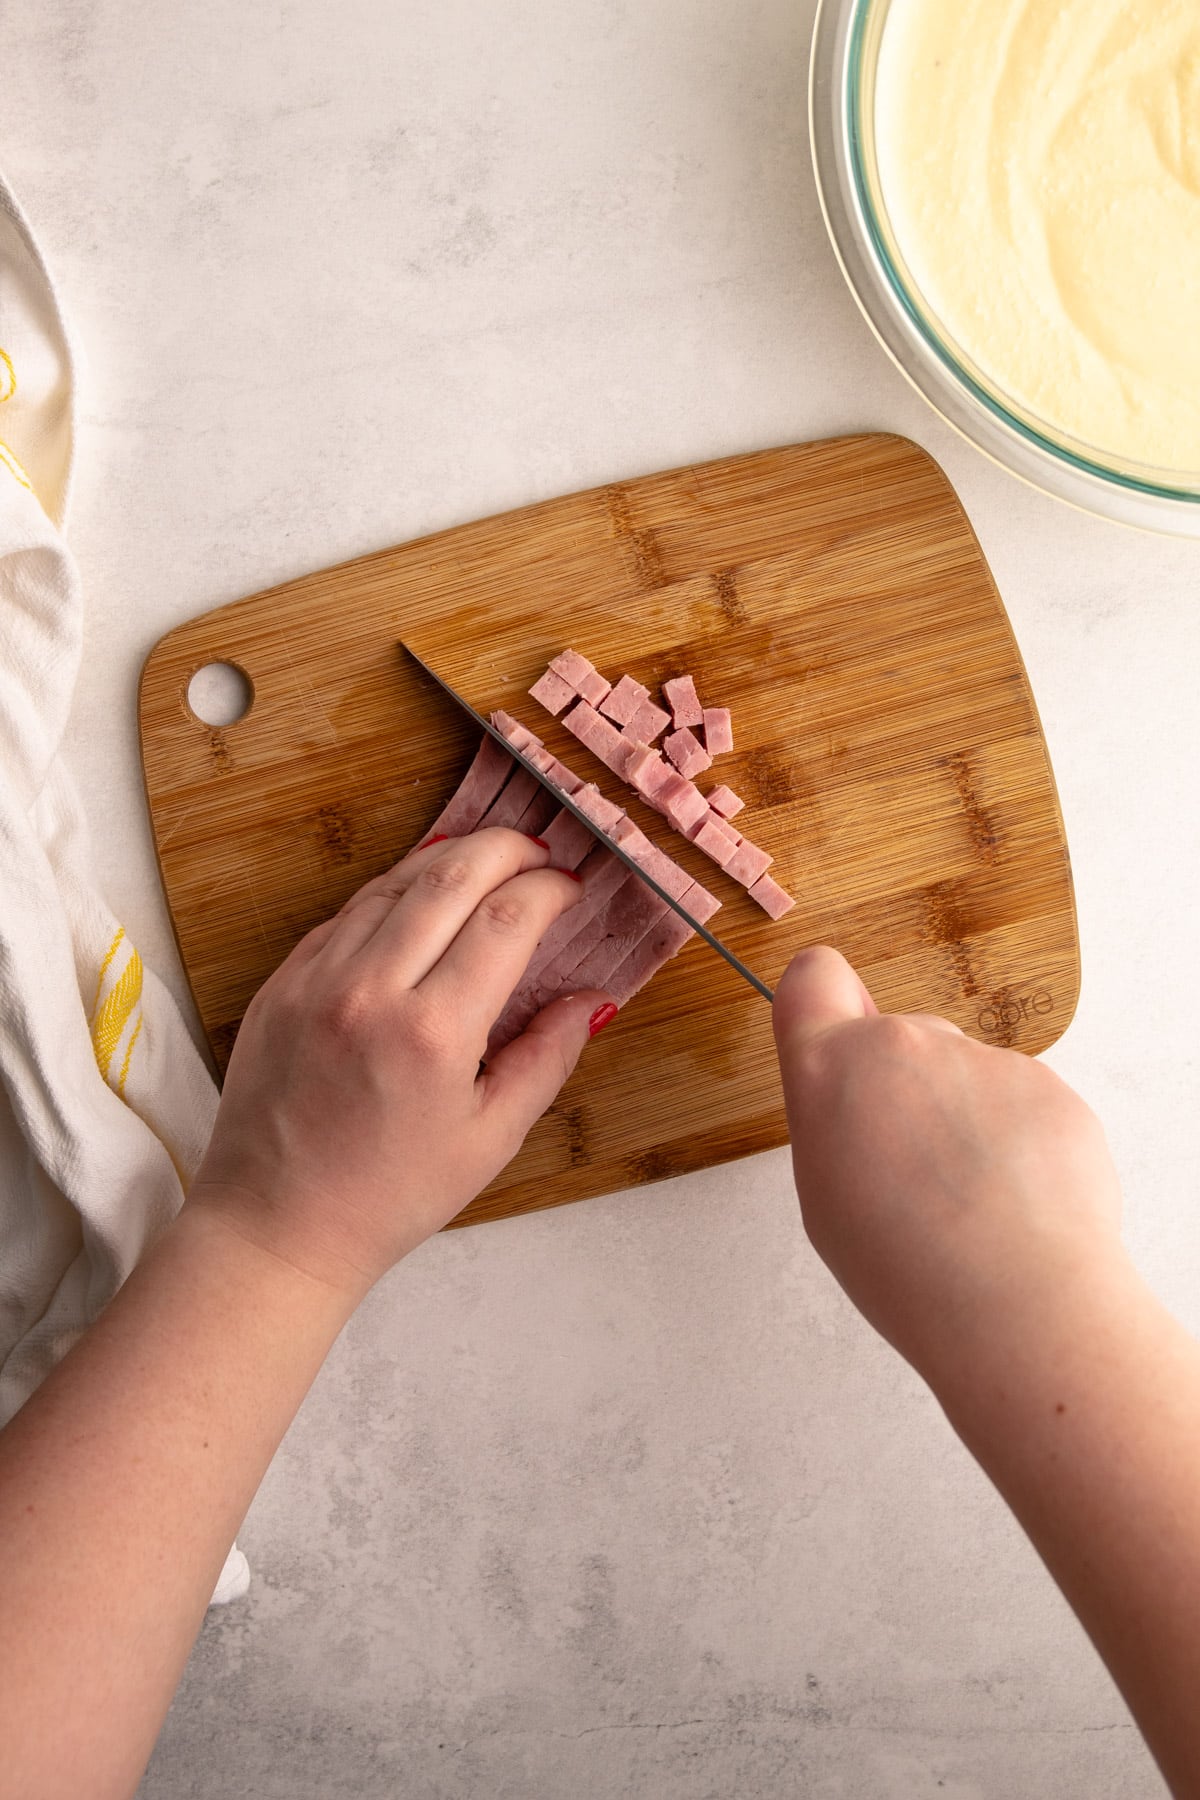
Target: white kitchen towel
105,1104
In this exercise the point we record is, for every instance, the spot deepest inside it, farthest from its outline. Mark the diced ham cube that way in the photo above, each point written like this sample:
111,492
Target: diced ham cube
594,689
718,730
649,722
564,778
540,757
700,903
666,871
687,753
773,899
747,863
646,771
684,702
552,692
723,800
594,806
624,701
714,843
598,735
682,802
633,842
572,668
518,735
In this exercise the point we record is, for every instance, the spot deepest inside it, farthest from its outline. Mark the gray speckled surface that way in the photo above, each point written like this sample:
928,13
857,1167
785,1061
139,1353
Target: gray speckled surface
621,1500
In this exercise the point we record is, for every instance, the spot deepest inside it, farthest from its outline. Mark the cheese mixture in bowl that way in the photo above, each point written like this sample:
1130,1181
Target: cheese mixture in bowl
1014,189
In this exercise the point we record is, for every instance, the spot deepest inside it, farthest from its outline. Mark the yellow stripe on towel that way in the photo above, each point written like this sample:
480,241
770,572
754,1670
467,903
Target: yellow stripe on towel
113,1016
141,1020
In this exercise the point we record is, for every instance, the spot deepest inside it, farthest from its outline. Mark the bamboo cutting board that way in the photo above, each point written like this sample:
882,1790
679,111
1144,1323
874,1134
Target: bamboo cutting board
888,749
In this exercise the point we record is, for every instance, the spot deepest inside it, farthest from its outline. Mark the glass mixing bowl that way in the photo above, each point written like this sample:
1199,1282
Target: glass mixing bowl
845,52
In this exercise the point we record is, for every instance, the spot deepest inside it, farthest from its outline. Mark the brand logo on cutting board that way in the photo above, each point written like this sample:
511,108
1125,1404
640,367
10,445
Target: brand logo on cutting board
1016,1011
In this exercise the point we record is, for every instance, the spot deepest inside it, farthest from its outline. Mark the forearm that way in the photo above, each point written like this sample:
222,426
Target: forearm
1090,1428
123,1482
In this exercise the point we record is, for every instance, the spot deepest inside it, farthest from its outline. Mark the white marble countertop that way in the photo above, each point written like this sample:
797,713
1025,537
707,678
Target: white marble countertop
621,1499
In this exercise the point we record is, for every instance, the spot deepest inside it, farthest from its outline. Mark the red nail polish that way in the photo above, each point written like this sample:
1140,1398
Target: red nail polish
441,838
603,1015
537,840
574,874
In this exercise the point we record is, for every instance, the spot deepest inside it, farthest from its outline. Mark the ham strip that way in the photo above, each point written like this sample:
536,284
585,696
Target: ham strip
569,841
511,802
478,788
535,820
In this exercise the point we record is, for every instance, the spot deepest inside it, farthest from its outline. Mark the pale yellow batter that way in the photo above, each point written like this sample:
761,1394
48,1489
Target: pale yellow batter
1040,163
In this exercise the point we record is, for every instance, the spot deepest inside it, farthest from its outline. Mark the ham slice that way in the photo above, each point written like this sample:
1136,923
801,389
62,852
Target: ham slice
684,702
618,924
659,946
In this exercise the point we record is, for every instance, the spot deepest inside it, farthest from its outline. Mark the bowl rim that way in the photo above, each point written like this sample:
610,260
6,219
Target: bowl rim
927,362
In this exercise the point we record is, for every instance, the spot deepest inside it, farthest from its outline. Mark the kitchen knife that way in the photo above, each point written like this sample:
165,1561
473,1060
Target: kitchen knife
565,801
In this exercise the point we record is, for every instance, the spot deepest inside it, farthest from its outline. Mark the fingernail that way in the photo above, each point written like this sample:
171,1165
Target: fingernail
537,840
603,1015
574,874
441,838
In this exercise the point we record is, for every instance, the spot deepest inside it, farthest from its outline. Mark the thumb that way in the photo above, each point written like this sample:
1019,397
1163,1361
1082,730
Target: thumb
524,1078
819,989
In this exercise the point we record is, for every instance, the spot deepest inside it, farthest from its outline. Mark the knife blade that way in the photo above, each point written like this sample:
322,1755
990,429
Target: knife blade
614,849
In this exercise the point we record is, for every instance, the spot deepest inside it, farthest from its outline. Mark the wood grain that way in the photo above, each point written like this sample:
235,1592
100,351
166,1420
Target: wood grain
888,748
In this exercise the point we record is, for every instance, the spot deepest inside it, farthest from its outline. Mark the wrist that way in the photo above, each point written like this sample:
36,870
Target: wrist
220,1224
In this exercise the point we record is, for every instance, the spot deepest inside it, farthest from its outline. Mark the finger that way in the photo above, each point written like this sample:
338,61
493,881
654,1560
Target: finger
524,1078
480,969
420,906
935,1022
819,989
310,945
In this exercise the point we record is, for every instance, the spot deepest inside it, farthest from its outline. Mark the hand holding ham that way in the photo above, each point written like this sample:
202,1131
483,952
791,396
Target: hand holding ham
355,1120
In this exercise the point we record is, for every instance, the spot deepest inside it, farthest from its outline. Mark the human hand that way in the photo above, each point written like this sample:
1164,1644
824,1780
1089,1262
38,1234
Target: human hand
957,1191
355,1120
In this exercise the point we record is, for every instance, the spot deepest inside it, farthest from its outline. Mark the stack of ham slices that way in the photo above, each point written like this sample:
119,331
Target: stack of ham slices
619,933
